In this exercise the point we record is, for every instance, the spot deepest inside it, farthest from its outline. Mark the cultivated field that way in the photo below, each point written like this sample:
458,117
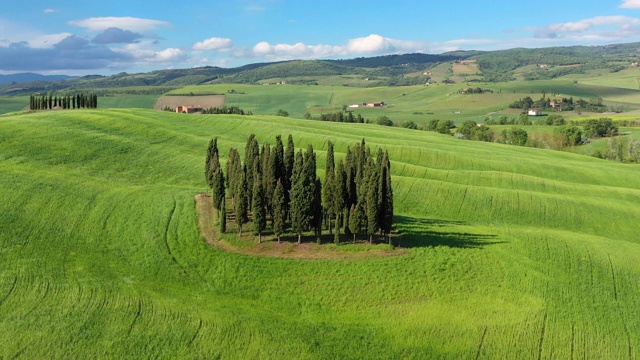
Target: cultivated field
204,101
511,252
408,103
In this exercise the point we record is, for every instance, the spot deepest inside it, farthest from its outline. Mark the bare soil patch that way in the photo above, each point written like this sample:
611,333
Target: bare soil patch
287,248
204,101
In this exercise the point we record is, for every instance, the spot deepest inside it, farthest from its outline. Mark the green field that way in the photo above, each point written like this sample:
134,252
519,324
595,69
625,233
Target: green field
13,103
511,252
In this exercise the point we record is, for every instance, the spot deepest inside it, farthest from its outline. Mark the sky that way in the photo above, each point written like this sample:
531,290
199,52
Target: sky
111,36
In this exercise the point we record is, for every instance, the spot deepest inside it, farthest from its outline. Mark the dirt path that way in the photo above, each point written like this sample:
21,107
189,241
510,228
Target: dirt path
270,248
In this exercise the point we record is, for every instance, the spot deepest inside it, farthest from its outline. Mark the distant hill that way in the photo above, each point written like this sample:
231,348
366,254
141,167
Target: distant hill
389,70
27,77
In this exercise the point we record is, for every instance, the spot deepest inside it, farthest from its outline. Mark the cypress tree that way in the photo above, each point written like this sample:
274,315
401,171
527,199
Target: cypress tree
241,202
317,208
289,159
218,189
251,156
339,192
356,219
372,210
279,210
73,101
298,212
50,101
386,207
328,193
223,216
212,162
268,178
258,209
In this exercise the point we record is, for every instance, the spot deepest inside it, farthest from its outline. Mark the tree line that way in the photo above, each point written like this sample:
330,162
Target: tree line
76,101
279,188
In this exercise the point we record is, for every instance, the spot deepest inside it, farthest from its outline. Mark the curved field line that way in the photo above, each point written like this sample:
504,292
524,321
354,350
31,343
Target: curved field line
196,333
542,333
13,286
166,237
135,319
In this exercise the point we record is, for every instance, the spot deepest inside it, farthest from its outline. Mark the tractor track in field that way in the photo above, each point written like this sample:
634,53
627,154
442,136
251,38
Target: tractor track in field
195,335
13,286
484,334
542,334
166,237
135,319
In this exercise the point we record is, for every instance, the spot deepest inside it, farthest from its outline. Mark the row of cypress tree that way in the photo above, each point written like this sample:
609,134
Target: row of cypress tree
282,186
77,101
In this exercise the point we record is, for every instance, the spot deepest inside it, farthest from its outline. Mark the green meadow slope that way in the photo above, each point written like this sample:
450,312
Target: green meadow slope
511,252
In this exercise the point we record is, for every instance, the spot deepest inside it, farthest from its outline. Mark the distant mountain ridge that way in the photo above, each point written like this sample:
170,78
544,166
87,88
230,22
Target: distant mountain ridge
388,70
29,76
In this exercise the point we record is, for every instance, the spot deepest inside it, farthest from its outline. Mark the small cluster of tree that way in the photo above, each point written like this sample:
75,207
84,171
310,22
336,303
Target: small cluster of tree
563,104
76,101
471,131
384,121
621,150
282,186
282,112
569,136
602,127
226,110
476,90
440,126
522,119
344,116
514,136
410,125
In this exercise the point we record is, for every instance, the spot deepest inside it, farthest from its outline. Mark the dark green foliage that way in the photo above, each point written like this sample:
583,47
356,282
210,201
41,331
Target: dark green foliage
226,110
212,161
298,201
570,135
515,136
372,206
289,159
279,210
328,194
258,206
223,216
356,219
317,208
384,121
251,158
600,128
241,202
471,131
282,112
410,125
445,126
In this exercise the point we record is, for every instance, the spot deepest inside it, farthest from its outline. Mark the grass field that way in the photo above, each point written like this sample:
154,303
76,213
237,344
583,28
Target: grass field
13,103
511,252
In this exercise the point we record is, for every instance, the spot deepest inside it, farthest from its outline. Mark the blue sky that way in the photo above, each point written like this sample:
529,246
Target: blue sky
111,36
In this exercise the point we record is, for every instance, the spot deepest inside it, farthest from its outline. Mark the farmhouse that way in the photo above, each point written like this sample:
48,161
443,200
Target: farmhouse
189,109
374,104
556,105
534,112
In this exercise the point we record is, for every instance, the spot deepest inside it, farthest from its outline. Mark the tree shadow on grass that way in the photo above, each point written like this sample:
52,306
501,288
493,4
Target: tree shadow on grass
416,233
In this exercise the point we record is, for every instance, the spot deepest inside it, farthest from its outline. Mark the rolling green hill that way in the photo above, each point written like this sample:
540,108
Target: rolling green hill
393,70
511,252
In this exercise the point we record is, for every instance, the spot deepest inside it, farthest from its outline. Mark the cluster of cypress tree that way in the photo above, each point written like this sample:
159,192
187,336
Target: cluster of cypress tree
77,101
282,185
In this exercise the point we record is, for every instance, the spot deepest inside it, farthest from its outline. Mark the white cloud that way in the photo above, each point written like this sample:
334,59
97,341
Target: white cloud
623,23
45,41
214,43
169,55
50,11
125,23
630,4
372,44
